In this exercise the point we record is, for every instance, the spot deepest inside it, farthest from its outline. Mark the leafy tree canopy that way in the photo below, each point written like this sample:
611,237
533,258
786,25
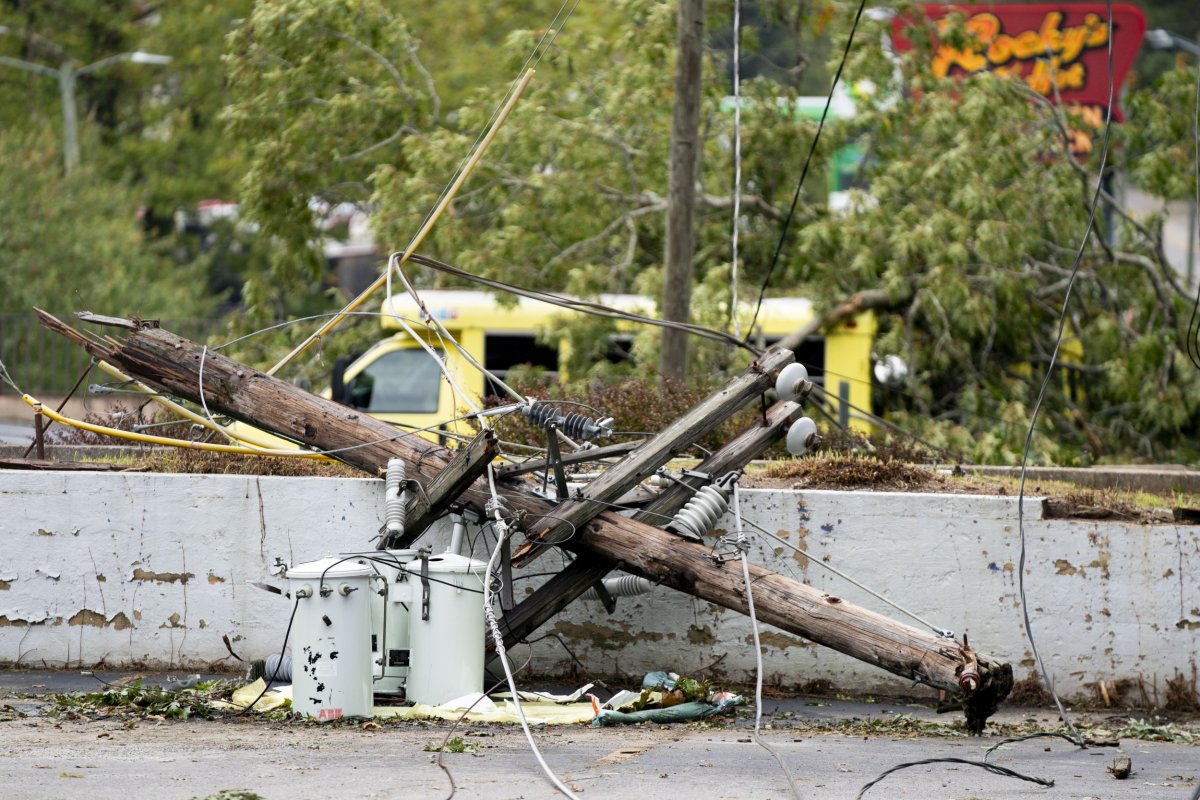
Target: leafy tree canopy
970,224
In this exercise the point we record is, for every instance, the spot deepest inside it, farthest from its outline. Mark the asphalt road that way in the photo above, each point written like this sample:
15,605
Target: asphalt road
827,745
15,433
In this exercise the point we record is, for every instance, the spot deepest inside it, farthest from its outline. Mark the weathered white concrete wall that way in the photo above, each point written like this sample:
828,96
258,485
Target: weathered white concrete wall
153,569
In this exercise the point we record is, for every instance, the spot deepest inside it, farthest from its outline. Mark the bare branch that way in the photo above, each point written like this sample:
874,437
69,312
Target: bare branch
434,100
391,69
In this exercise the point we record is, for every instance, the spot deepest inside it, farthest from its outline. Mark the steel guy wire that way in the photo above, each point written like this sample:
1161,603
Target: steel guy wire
4,376
942,632
1062,320
309,318
440,330
498,638
737,162
743,548
439,360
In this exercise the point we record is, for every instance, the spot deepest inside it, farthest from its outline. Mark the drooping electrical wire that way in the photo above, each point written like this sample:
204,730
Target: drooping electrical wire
787,221
743,547
282,649
1193,331
584,306
540,48
995,769
489,615
440,329
737,164
1062,321
820,562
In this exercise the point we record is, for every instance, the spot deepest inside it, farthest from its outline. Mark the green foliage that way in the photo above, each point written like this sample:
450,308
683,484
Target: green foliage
973,219
971,223
74,243
1161,146
144,701
455,745
322,91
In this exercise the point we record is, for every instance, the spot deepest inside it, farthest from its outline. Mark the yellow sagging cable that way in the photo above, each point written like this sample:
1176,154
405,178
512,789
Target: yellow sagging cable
422,233
245,437
161,440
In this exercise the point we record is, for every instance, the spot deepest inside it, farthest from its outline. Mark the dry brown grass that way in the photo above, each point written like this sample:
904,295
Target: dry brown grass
850,471
196,462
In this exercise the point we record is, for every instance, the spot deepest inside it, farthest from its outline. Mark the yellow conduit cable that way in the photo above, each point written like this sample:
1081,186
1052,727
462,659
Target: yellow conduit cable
247,438
161,440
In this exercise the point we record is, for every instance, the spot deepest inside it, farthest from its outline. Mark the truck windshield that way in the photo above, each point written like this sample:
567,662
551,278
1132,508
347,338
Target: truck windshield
399,381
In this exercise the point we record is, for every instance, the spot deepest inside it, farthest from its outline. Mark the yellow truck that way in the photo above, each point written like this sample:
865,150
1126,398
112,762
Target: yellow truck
396,379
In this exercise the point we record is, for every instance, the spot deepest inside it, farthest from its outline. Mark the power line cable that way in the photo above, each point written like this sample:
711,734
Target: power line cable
787,221
737,162
1193,332
992,768
1062,320
743,547
489,615
584,306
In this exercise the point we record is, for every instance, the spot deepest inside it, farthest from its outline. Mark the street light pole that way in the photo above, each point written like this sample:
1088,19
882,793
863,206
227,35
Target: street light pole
66,89
66,75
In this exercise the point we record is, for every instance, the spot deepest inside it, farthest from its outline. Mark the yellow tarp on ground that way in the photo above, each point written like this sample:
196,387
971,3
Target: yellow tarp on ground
487,711
273,700
537,712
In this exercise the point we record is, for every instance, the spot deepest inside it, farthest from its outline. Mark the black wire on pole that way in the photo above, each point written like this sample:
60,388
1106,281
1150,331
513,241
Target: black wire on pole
787,221
1193,331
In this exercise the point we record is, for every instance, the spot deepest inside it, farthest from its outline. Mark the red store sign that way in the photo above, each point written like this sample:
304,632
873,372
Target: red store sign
1059,50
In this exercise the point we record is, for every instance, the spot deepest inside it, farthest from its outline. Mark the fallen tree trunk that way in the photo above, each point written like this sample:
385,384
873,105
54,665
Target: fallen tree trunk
175,365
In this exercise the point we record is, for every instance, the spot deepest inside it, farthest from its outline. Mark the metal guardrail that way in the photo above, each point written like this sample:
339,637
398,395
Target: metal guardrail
42,363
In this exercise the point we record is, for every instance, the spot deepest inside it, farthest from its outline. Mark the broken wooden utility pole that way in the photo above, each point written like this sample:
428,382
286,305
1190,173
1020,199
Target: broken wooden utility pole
174,365
557,593
640,464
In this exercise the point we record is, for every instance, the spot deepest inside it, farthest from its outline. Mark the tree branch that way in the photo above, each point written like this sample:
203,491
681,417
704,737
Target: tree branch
868,299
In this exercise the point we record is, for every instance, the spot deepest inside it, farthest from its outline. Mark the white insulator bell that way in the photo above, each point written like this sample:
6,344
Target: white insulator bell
801,436
787,385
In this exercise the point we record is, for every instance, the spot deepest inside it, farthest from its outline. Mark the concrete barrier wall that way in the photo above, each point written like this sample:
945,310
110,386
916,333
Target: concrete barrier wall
136,569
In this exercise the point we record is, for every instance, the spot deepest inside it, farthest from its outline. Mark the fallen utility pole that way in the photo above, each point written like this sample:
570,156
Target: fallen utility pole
562,589
175,365
654,452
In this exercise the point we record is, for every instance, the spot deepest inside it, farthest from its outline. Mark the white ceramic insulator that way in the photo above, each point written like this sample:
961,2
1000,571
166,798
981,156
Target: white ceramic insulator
788,383
621,586
701,512
801,435
394,497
